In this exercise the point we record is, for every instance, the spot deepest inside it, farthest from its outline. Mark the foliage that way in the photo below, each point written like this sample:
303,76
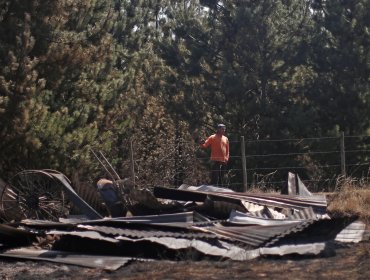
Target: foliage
82,75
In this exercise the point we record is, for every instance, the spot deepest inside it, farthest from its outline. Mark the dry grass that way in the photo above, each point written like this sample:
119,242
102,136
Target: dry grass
351,199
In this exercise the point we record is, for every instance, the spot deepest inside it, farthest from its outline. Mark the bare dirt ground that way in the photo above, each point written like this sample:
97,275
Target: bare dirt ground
349,262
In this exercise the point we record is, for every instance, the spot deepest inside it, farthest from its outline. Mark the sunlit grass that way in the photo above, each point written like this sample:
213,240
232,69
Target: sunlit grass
351,198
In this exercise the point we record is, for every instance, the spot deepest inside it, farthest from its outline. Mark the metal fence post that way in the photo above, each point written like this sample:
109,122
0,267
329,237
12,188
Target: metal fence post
244,165
342,156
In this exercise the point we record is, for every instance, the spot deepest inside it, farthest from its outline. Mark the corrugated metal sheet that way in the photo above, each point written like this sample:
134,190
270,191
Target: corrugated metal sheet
252,207
313,231
143,233
275,224
173,219
300,249
72,195
250,219
181,220
307,231
83,234
11,235
292,214
205,188
271,200
94,261
354,232
282,201
45,224
255,235
219,249
306,214
286,236
321,199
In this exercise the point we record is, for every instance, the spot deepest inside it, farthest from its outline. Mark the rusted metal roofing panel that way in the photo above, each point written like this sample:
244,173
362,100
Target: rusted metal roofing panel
94,261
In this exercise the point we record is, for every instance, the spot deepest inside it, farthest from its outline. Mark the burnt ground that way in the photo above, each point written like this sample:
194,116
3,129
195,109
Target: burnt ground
348,262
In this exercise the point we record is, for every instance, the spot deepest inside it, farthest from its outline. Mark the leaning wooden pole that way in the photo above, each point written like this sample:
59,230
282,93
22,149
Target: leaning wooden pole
132,162
244,165
342,156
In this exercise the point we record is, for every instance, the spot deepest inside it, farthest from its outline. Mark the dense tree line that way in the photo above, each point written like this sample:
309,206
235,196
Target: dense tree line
86,75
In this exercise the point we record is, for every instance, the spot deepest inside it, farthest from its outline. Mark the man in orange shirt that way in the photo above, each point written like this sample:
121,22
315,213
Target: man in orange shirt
219,144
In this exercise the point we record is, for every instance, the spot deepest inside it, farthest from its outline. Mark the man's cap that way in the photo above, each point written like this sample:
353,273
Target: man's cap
221,125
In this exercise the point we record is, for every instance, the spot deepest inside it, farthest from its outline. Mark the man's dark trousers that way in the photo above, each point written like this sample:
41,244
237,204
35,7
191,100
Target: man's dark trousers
217,173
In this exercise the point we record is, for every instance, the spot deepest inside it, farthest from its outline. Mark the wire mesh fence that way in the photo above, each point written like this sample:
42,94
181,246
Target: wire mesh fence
320,162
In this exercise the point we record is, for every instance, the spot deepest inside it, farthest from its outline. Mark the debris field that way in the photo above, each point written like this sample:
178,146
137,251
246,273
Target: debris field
44,218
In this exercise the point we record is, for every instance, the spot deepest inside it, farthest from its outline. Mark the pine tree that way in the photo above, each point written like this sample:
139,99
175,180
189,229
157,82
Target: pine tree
68,56
342,49
20,80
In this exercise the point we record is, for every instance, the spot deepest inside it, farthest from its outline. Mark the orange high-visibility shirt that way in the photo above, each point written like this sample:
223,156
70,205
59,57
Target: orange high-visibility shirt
219,147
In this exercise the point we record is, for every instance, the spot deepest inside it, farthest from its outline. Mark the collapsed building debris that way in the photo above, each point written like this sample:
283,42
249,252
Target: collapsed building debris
197,221
41,194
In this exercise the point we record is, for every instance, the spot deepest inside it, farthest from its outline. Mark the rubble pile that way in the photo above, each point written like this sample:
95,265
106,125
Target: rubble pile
164,223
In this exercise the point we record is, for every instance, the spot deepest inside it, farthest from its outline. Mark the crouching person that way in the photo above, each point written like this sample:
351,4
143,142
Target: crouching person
111,197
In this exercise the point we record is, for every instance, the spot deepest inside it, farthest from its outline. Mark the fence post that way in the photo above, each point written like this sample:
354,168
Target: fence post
342,156
244,165
132,162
